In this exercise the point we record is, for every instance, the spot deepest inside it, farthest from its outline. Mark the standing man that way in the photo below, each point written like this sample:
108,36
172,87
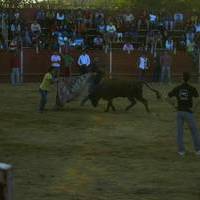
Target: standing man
48,79
143,66
68,60
15,76
184,94
166,63
56,62
84,62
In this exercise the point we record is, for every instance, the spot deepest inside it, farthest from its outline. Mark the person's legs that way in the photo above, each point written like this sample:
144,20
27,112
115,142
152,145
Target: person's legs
43,99
179,138
168,68
83,69
12,76
141,74
17,75
162,74
195,133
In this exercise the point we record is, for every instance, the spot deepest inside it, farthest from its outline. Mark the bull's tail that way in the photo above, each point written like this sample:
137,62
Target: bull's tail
158,95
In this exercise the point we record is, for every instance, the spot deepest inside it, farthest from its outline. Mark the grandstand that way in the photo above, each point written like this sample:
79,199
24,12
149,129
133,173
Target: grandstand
145,33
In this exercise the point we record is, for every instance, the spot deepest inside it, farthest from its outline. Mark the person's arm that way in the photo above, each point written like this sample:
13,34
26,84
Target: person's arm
196,99
88,61
196,104
79,61
170,98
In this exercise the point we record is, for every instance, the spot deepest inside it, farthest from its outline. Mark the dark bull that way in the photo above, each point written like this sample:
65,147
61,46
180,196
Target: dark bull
110,89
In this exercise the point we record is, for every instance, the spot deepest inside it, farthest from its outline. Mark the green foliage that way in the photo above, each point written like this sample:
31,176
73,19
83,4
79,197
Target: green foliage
168,5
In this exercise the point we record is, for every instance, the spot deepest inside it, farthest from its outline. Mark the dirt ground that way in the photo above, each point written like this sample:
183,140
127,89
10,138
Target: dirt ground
83,153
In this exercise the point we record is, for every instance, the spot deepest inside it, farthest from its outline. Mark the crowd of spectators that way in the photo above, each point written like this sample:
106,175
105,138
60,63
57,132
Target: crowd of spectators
63,29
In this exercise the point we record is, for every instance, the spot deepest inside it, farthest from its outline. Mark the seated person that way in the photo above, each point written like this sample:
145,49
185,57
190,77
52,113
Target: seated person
128,47
153,19
102,28
98,42
35,28
197,27
143,20
169,44
78,42
178,19
111,30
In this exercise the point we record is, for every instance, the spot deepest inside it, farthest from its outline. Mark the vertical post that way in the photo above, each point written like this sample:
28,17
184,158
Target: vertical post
22,64
6,182
111,67
199,67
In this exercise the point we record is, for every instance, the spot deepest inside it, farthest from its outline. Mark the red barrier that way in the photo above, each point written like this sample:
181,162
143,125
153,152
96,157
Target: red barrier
35,65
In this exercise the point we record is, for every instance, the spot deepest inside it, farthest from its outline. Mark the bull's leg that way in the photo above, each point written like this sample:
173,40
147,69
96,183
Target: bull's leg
145,102
109,104
133,102
112,106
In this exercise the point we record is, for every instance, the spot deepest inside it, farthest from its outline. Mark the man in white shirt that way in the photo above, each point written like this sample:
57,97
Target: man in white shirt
143,66
128,47
35,28
84,62
56,61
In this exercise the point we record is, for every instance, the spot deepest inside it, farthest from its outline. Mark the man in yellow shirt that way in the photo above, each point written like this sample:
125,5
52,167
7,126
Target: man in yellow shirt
48,79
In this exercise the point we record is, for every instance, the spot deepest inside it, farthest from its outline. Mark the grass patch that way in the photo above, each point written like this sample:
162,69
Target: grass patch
86,154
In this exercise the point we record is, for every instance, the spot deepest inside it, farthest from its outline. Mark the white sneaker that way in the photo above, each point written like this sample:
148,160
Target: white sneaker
198,153
181,153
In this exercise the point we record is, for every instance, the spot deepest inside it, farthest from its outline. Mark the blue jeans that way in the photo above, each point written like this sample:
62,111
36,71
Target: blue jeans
189,118
165,73
43,99
15,76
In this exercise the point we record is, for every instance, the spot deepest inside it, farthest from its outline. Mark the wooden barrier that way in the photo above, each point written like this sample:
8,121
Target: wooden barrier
6,182
123,64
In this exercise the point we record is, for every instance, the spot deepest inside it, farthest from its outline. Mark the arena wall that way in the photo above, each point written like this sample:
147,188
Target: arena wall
124,65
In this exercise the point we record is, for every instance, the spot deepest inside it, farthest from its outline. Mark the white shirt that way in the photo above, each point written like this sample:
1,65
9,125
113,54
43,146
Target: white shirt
128,47
111,28
84,59
143,62
197,27
60,17
35,27
55,60
169,44
152,17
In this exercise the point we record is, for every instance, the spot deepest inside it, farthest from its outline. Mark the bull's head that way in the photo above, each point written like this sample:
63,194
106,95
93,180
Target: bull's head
94,100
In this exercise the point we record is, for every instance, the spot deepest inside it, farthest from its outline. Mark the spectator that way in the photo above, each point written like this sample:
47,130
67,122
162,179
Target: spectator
15,76
56,62
68,60
27,38
13,45
98,42
169,22
111,31
84,62
143,20
157,68
128,18
128,47
169,44
166,63
36,28
143,66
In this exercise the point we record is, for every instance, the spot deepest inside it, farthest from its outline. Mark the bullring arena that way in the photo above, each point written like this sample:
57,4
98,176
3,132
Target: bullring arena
82,152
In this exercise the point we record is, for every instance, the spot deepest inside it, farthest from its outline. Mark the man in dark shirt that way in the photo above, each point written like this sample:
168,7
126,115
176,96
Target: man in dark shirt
184,94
